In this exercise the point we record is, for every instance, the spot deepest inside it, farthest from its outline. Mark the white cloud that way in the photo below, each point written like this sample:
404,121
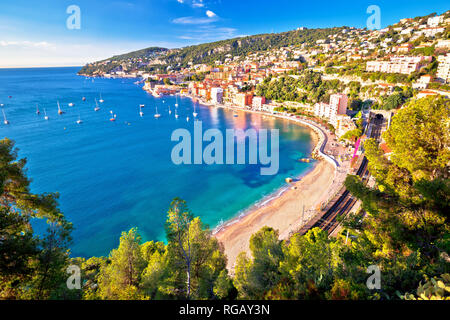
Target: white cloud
26,44
211,14
193,3
210,17
209,33
198,4
192,20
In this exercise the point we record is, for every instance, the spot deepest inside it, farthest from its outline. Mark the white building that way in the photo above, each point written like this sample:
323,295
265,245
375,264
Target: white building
268,108
258,103
430,32
443,71
435,21
397,64
406,31
322,110
423,82
217,95
337,106
336,113
443,44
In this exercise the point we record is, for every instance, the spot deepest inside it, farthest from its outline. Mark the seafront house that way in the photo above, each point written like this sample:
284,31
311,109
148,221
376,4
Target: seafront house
338,105
336,113
258,103
217,95
243,100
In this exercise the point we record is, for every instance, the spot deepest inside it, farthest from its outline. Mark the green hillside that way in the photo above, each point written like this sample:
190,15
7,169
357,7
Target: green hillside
210,52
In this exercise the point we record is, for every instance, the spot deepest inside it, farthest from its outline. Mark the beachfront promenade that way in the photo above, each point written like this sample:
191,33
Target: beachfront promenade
319,150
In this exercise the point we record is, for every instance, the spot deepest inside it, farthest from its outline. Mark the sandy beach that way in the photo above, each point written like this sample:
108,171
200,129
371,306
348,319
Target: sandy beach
283,213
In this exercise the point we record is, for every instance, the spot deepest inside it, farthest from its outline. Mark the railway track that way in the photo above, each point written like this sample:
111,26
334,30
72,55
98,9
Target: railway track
345,203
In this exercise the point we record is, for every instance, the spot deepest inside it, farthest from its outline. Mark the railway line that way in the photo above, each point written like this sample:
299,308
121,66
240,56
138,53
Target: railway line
345,202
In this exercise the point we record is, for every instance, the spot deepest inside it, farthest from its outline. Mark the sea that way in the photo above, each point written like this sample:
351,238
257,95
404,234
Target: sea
112,176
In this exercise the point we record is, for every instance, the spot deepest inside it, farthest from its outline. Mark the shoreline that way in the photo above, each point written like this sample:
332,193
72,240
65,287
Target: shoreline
285,213
263,202
289,207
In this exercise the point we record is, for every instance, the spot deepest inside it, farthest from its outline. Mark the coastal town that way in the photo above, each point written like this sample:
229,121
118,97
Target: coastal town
357,70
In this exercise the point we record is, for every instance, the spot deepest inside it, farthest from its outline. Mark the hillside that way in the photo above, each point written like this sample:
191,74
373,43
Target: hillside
160,59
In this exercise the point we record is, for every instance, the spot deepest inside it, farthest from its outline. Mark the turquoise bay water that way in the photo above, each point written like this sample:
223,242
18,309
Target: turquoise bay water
113,176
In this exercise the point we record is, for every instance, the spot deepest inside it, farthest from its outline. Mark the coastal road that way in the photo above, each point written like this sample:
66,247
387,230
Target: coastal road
345,202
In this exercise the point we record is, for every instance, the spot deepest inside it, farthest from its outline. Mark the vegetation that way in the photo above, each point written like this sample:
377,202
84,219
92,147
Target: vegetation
307,88
209,53
133,61
31,267
395,100
436,288
352,135
190,266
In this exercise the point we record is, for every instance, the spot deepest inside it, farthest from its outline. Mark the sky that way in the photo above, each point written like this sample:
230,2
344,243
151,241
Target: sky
36,33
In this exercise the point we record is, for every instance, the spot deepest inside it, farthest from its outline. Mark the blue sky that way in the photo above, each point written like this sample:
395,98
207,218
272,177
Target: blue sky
34,33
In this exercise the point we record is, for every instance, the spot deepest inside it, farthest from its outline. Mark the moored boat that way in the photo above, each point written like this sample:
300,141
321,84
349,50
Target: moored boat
157,115
5,121
97,108
60,112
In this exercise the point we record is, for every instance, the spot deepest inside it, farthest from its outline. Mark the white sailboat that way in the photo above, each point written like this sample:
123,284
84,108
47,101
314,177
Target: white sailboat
101,99
45,115
170,111
71,104
141,113
195,114
114,116
96,106
176,104
5,121
187,119
59,109
79,121
157,115
176,113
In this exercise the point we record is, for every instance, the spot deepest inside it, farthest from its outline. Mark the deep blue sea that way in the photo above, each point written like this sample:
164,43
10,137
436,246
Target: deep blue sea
113,176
